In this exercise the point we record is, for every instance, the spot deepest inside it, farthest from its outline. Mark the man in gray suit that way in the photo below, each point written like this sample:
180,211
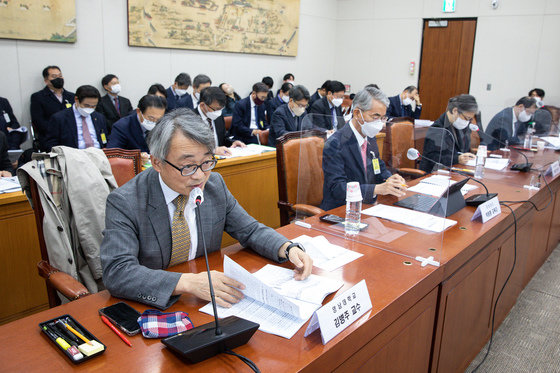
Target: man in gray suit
511,123
151,224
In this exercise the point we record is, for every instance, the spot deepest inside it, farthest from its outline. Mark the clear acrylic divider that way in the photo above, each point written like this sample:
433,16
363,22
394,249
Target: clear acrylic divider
329,159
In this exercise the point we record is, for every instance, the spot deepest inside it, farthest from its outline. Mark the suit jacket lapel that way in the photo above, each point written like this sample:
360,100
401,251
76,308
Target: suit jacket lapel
350,142
159,217
73,125
137,131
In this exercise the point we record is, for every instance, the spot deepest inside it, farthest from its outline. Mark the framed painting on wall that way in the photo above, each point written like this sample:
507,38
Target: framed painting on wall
241,26
45,20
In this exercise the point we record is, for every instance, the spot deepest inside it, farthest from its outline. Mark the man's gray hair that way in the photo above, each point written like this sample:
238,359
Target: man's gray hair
363,98
184,120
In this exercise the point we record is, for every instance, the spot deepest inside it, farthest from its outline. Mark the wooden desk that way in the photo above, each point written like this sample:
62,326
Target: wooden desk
22,290
423,318
253,181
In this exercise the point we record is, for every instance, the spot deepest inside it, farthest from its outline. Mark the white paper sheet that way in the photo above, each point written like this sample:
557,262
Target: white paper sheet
410,217
326,255
274,285
552,140
9,184
250,149
423,122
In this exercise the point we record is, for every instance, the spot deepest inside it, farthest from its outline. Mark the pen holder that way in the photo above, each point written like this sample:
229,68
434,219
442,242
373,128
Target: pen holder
67,344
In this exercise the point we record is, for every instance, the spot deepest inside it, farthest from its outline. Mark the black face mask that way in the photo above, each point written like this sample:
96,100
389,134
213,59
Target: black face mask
57,83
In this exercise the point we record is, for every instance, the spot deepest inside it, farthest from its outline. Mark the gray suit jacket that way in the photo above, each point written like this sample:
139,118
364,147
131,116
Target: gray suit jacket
500,129
137,244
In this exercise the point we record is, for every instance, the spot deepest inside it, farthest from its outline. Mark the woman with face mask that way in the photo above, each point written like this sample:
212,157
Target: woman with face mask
448,140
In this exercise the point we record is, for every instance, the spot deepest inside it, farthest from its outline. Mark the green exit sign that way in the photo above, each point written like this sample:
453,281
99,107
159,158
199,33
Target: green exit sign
448,6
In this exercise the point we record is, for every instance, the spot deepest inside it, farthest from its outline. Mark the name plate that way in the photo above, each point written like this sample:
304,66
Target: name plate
553,169
487,210
340,312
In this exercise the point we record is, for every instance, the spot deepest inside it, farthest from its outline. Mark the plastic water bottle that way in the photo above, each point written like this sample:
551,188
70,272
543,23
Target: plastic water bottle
353,208
529,136
353,216
479,168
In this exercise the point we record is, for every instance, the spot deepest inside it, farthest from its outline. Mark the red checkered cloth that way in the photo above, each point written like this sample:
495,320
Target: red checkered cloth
157,324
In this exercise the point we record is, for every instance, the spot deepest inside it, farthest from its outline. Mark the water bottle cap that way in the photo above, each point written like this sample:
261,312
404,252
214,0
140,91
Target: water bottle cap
353,192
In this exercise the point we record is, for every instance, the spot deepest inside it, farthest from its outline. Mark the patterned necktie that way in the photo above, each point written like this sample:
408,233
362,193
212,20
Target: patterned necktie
180,234
86,134
116,99
364,156
210,123
333,110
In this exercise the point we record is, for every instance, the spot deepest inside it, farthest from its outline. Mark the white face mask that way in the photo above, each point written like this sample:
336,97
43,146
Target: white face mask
298,111
180,92
337,101
460,123
85,112
197,95
148,125
539,100
524,116
370,129
214,114
286,99
116,89
407,101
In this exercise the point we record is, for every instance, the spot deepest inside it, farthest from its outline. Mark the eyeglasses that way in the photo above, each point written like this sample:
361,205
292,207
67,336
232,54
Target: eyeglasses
303,106
190,169
467,118
214,109
376,116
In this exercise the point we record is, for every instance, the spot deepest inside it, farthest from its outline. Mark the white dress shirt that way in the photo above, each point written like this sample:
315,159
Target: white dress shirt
513,120
194,100
91,128
189,214
253,124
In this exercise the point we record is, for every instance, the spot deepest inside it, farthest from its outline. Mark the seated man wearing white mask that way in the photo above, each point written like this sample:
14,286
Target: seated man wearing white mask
448,140
511,123
113,106
329,114
542,117
132,131
289,118
212,102
351,154
407,104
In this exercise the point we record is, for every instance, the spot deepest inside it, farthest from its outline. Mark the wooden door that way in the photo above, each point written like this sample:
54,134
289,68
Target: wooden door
445,65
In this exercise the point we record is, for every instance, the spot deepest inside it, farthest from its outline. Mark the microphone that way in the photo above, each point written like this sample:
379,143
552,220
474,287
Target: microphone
473,200
210,339
523,167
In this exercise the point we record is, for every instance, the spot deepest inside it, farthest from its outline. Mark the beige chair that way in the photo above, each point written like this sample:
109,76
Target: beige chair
399,138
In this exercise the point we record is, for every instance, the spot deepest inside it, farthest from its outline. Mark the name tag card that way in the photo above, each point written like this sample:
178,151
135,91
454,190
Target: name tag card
487,210
553,169
340,312
6,117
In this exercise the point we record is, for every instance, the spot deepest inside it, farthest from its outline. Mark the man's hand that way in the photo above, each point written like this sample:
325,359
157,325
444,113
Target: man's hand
145,157
394,185
5,174
225,288
466,157
238,144
255,132
417,99
302,261
222,150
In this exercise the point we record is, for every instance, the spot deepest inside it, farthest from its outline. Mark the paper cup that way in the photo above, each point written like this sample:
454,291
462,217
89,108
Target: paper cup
540,145
353,192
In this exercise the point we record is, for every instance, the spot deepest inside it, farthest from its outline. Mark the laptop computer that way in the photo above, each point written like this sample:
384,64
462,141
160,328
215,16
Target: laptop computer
449,203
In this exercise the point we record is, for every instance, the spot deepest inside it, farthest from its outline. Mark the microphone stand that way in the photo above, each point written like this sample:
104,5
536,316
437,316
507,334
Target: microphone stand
210,339
518,166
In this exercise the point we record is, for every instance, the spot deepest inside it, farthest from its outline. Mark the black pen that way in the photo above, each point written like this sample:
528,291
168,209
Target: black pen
62,330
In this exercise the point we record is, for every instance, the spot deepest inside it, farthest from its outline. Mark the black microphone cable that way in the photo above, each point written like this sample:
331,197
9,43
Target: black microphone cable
503,287
244,359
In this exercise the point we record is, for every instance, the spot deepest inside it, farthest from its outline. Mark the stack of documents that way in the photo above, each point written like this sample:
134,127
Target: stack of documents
497,164
250,149
325,255
423,122
410,217
274,299
554,141
9,184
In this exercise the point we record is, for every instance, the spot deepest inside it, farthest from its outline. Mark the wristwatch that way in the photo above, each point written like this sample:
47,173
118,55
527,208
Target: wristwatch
293,244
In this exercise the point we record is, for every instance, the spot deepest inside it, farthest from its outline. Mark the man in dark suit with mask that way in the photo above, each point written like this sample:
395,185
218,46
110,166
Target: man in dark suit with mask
112,105
132,131
249,115
351,154
212,101
328,114
289,117
48,101
79,126
401,105
511,123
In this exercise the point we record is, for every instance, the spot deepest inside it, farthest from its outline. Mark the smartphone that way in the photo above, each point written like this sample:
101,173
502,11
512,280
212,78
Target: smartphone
123,316
333,219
